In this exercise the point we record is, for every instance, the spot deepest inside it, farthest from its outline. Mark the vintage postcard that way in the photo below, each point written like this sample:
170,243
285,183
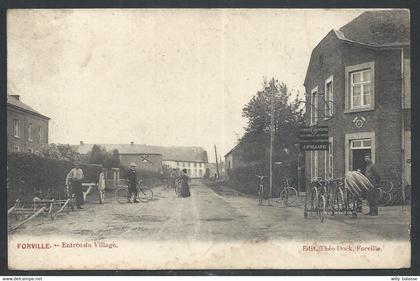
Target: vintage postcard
208,139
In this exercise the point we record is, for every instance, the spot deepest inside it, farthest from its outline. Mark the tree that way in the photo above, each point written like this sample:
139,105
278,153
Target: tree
288,117
116,158
60,152
97,155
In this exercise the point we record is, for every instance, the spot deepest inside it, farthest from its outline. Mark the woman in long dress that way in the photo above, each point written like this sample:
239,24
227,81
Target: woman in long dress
185,188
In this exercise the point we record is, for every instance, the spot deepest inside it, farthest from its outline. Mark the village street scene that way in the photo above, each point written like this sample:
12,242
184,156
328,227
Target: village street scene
209,126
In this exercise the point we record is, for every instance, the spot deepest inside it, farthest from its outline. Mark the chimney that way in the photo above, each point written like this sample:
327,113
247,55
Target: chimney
131,142
81,142
16,96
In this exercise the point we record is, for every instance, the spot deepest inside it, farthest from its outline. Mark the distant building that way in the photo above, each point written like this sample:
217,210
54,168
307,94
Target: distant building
150,157
364,70
27,129
212,168
234,158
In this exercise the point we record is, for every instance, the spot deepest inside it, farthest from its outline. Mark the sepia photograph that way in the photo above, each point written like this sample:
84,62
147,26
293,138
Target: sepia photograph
173,139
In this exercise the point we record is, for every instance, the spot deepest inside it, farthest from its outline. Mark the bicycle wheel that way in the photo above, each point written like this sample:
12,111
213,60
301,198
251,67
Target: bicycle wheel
145,194
329,205
177,190
386,186
101,195
314,199
387,199
122,195
321,208
339,204
288,196
260,195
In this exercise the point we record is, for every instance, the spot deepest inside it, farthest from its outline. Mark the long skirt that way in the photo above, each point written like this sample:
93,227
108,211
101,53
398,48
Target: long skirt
185,190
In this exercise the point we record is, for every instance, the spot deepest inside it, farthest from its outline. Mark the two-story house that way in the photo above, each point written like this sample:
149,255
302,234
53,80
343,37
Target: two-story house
358,84
27,129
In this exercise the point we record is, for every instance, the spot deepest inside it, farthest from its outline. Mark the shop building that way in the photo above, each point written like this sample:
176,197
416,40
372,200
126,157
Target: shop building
358,84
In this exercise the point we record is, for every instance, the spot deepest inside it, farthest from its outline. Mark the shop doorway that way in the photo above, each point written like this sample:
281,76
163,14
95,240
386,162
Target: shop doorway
359,148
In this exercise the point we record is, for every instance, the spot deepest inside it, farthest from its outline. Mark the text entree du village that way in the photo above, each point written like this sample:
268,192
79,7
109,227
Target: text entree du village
65,245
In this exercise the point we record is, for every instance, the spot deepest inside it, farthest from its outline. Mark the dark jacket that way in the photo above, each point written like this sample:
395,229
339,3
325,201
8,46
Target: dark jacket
131,178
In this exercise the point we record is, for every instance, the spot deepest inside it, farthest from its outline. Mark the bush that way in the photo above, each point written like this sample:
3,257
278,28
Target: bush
29,174
244,178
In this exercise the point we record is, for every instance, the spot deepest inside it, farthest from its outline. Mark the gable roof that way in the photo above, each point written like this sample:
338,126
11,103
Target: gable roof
372,29
174,153
13,101
384,28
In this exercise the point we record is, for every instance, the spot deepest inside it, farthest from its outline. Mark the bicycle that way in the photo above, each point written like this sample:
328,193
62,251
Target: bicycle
260,190
177,187
288,195
143,194
385,193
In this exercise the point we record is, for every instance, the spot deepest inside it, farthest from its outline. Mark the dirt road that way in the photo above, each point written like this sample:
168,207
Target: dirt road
213,216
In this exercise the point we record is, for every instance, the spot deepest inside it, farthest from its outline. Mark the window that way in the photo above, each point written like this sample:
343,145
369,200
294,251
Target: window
361,144
30,132
183,164
40,134
16,148
328,110
314,164
329,160
195,165
314,105
16,128
360,90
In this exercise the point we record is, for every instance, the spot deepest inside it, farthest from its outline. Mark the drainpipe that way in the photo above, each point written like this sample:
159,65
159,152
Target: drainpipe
402,127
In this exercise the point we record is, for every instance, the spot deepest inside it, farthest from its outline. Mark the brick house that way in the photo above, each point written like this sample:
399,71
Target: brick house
27,129
362,71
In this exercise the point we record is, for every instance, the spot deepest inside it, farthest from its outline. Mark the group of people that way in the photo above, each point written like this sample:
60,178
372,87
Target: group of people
75,179
182,178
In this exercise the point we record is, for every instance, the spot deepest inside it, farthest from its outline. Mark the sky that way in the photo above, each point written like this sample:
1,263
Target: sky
157,77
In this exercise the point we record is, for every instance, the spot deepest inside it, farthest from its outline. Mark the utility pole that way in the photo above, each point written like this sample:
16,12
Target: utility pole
272,88
217,164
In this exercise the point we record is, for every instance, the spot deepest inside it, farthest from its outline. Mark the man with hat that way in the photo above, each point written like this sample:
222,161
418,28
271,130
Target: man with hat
74,180
372,195
132,183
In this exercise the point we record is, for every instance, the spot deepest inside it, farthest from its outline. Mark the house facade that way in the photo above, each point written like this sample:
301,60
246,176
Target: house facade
358,84
193,159
27,129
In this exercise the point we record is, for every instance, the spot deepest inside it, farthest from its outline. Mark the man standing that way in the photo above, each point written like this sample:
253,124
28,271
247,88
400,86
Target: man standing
132,183
74,180
372,195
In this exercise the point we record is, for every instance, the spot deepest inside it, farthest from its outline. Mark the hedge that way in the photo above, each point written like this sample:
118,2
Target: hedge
148,177
244,178
29,174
